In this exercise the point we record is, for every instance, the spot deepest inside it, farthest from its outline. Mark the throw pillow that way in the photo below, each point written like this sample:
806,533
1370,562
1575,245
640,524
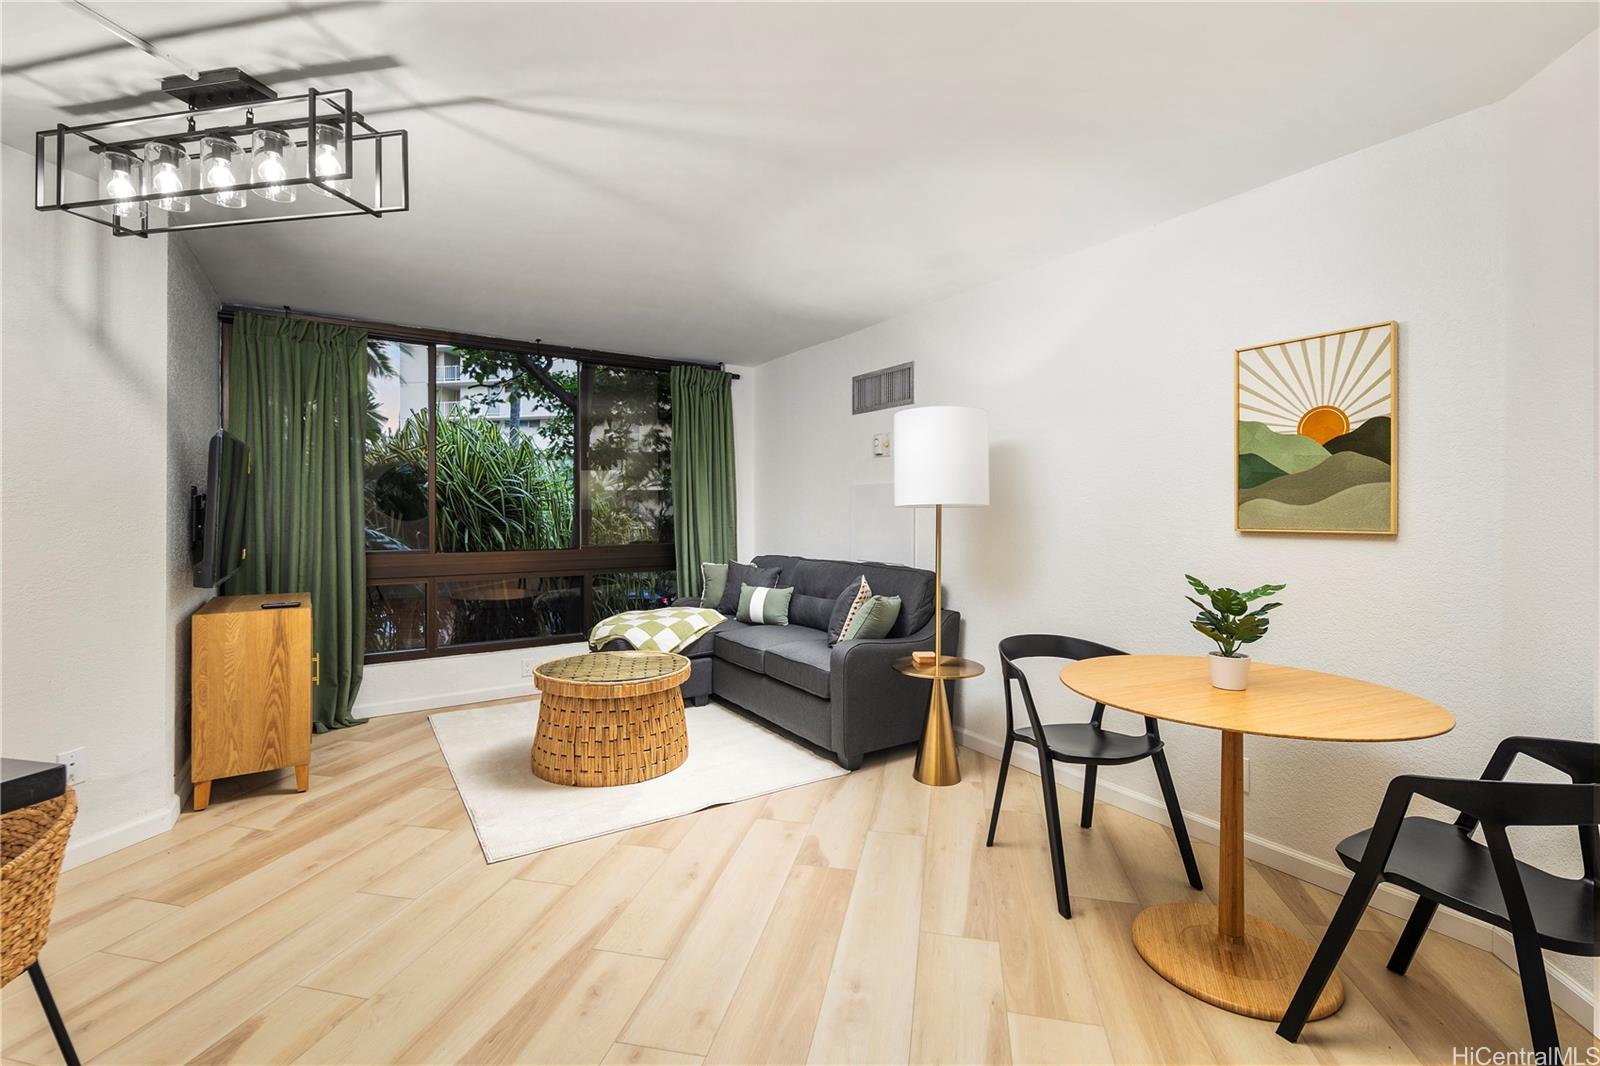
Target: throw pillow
813,612
739,575
762,606
713,579
846,607
874,620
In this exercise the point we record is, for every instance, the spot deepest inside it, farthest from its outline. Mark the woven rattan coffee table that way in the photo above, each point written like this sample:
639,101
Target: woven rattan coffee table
610,718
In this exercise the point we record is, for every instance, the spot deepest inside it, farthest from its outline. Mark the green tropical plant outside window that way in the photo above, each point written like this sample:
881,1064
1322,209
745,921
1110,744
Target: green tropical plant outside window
532,452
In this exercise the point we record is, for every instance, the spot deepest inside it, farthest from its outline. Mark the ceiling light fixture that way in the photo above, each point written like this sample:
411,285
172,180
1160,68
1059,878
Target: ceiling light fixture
193,169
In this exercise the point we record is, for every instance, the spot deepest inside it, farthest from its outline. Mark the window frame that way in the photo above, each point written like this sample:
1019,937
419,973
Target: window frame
430,566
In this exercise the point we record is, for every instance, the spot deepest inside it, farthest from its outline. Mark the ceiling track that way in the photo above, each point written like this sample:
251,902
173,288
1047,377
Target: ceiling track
129,37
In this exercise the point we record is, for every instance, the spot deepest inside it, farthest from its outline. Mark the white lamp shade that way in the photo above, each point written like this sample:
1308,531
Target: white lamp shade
941,456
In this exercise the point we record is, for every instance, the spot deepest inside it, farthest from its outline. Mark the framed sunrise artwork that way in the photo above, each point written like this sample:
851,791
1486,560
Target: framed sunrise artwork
1317,431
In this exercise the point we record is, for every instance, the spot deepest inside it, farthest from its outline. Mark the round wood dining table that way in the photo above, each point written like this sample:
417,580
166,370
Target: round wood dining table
1219,953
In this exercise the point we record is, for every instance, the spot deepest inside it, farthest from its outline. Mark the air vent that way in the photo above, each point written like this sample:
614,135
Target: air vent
893,386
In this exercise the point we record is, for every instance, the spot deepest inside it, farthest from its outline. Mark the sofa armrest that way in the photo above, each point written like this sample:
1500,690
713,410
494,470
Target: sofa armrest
686,601
871,700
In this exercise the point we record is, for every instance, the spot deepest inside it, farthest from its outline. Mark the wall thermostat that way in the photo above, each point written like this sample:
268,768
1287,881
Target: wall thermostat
880,444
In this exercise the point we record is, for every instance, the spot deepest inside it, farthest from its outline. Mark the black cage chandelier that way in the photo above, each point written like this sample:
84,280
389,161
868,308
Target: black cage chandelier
239,155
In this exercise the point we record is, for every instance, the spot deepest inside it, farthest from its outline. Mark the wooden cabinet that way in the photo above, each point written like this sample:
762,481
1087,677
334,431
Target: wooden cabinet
251,675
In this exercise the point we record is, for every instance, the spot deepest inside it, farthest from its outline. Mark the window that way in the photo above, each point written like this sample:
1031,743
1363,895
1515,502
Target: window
514,493
638,591
499,609
628,456
397,446
506,453
397,617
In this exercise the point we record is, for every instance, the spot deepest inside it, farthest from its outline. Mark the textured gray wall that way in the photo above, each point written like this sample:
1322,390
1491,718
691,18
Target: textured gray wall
193,377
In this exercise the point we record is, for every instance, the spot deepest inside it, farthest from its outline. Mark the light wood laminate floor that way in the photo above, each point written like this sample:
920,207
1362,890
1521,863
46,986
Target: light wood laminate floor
858,919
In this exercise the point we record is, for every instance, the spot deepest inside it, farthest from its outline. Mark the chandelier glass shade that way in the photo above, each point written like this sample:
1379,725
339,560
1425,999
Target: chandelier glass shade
269,166
219,172
197,168
327,156
170,174
121,183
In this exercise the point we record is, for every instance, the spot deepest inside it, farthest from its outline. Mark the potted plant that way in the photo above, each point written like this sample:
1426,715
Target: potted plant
1229,620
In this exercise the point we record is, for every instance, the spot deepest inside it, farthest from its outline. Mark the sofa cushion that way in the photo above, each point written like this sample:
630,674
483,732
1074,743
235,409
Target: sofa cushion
810,611
874,620
705,645
802,663
826,577
851,600
713,582
740,575
759,606
746,646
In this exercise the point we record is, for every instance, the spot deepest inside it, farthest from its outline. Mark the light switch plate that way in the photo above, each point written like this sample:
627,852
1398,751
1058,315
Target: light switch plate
73,760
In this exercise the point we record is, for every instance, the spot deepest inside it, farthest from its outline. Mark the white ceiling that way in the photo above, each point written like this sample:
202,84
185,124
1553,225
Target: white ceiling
737,181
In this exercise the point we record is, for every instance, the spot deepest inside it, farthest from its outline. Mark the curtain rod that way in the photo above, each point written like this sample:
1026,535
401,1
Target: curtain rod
475,340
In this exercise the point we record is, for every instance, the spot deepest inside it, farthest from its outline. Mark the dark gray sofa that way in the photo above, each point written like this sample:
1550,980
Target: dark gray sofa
847,699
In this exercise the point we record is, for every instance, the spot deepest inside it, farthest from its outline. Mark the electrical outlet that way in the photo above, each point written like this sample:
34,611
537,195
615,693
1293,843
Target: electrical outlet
527,667
73,761
1247,773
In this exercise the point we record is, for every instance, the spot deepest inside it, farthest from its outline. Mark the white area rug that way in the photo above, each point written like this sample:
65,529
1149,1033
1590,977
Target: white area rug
731,758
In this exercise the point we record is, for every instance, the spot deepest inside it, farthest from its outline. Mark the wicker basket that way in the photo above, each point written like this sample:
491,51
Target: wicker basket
33,841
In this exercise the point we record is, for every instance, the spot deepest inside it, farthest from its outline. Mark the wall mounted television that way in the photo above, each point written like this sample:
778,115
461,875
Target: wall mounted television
216,516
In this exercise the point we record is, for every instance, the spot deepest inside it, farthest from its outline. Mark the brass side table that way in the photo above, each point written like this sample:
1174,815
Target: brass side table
936,755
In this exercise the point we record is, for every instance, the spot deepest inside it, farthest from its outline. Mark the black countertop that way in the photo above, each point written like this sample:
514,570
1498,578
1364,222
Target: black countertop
24,783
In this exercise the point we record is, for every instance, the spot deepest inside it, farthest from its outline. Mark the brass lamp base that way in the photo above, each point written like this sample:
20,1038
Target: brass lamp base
936,756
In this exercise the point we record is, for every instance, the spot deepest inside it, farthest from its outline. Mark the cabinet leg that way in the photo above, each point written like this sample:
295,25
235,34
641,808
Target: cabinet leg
302,777
202,794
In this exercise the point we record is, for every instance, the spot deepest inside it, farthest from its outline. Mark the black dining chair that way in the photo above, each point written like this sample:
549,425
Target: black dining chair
1088,744
1443,865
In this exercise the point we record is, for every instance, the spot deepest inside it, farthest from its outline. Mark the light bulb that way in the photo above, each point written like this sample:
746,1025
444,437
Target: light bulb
169,164
330,158
122,179
166,180
121,187
268,167
216,172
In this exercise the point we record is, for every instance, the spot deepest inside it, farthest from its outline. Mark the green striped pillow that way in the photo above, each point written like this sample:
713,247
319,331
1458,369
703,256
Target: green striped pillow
763,606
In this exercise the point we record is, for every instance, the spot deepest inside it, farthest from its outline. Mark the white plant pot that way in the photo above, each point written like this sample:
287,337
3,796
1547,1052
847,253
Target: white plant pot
1232,674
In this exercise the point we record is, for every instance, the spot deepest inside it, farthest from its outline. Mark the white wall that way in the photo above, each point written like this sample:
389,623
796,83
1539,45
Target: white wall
1551,549
89,576
83,508
1108,376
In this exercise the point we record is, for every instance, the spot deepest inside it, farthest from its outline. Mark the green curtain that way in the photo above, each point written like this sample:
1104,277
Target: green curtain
297,396
704,522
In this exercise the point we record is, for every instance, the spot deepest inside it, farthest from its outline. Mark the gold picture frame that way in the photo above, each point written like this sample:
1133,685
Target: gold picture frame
1317,433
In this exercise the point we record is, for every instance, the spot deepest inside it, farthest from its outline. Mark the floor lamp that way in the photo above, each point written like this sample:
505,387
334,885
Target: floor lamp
941,459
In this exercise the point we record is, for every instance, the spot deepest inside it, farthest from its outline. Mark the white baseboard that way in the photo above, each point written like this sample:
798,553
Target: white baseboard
407,704
1564,992
82,849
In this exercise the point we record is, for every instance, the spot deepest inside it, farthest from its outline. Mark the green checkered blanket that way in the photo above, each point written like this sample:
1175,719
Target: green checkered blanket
665,629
